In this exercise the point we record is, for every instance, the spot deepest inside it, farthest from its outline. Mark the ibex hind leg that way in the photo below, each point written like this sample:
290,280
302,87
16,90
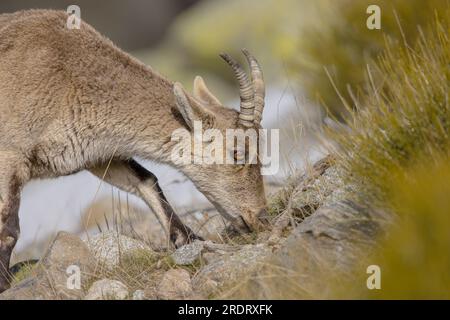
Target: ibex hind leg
12,178
131,177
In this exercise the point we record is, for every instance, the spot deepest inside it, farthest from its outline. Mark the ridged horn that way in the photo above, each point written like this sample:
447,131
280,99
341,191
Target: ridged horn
258,86
246,92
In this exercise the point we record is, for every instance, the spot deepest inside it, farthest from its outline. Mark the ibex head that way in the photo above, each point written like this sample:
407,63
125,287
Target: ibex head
236,189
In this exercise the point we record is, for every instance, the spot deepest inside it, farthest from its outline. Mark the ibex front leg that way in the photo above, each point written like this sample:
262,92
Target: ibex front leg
11,182
131,177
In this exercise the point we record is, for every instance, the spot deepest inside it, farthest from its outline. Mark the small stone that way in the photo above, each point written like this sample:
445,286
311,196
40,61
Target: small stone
107,289
139,295
189,253
230,268
175,285
110,247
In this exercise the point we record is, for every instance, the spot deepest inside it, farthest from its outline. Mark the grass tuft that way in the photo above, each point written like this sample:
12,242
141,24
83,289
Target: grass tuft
414,259
405,118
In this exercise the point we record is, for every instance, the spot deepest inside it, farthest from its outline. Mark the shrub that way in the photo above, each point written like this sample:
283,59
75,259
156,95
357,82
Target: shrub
414,260
341,43
409,119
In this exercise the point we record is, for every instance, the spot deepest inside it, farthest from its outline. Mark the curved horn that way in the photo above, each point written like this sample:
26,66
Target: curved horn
258,86
246,113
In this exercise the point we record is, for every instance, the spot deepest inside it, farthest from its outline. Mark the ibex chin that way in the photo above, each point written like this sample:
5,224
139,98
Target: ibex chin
70,100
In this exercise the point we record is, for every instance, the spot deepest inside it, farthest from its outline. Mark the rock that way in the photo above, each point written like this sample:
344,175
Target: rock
324,252
308,197
107,289
61,274
198,250
231,267
110,247
175,285
209,257
139,295
342,232
321,187
151,292
304,193
188,254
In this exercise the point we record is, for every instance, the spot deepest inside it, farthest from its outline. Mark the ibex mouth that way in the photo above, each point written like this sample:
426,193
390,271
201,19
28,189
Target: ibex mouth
237,223
240,226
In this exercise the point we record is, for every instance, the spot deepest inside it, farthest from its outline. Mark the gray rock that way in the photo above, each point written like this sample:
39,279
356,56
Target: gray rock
175,285
328,249
139,295
109,248
55,276
341,233
304,193
201,250
324,189
314,193
231,267
189,253
107,289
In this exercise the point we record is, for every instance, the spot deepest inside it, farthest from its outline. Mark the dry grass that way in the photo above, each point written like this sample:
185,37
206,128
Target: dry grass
138,271
406,116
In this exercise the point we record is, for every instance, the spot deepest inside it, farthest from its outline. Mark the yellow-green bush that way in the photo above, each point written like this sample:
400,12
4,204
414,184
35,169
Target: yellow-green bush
413,256
409,120
415,260
397,151
340,42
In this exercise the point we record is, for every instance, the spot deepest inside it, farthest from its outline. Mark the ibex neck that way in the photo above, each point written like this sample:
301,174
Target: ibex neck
144,110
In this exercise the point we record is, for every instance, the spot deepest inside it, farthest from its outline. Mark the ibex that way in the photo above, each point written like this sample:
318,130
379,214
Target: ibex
70,100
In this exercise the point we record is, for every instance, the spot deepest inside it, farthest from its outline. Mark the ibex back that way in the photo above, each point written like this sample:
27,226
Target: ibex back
70,100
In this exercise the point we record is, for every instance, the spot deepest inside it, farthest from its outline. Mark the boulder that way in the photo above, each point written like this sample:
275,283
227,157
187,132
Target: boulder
62,273
175,285
189,253
326,252
107,289
109,248
230,267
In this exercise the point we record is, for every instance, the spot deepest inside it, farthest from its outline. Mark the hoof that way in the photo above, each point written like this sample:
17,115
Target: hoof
180,238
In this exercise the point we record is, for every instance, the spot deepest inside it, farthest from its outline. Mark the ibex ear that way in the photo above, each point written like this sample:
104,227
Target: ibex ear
202,93
192,110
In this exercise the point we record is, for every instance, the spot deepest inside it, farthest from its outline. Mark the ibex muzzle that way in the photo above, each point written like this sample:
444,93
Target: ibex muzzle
70,100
